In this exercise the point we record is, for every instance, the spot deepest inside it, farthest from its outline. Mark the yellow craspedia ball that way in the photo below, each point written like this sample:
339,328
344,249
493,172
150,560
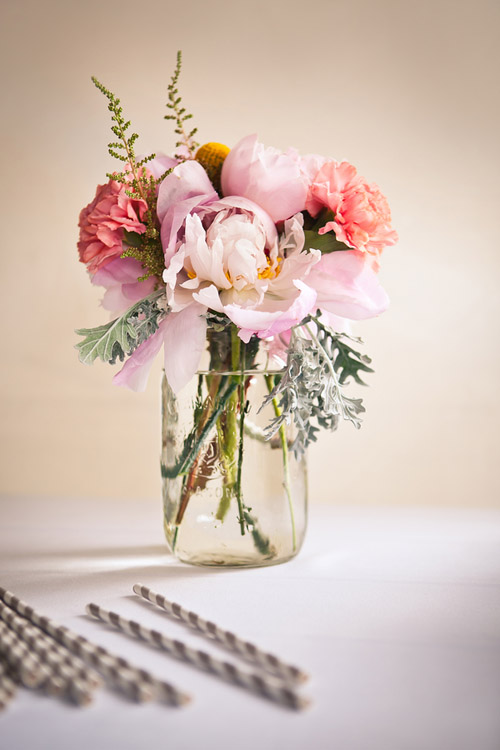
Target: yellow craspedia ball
211,157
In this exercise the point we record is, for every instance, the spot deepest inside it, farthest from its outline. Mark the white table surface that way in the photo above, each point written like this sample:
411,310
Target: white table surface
395,613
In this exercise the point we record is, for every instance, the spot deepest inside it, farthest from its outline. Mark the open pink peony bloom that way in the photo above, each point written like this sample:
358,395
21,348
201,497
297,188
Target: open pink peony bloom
102,223
266,176
362,216
229,264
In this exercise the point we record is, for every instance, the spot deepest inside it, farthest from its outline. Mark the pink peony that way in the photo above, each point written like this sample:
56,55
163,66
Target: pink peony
102,223
266,176
362,218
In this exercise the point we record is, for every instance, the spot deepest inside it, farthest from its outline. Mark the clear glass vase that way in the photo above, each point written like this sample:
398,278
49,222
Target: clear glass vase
231,497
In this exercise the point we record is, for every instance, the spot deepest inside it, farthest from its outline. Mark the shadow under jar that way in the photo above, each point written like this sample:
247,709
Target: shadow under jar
231,497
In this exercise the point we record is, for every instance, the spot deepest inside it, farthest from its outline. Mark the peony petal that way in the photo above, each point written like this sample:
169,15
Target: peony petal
268,177
236,201
184,337
348,286
160,164
209,297
188,180
119,277
269,321
135,372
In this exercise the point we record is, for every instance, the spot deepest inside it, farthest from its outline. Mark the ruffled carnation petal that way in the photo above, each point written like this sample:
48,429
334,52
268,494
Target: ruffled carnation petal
103,221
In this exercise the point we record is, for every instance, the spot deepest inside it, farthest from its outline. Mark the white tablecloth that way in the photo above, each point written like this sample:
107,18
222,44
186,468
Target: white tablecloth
395,613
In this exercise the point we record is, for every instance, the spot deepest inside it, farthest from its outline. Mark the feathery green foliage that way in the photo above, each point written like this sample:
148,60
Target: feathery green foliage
121,336
186,138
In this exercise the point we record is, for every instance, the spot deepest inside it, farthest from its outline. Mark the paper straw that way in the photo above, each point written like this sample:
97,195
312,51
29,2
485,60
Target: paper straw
137,684
264,686
48,653
8,687
243,648
54,682
31,673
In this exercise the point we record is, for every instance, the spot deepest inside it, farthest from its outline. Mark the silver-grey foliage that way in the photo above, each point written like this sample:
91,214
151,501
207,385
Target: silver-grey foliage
122,336
310,391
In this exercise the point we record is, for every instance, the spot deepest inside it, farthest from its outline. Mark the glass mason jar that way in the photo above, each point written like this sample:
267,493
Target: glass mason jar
231,497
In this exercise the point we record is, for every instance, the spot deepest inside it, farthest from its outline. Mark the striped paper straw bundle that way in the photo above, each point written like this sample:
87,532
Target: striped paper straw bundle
75,680
135,683
8,687
265,686
35,672
243,648
19,659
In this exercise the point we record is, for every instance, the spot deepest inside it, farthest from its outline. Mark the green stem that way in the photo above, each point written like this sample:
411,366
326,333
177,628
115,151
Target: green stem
186,461
227,433
243,407
286,464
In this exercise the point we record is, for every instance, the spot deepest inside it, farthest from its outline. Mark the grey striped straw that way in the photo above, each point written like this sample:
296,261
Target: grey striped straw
53,681
48,653
8,687
137,684
16,654
264,686
243,648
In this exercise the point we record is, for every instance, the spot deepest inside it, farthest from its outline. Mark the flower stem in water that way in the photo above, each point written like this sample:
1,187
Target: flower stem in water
286,464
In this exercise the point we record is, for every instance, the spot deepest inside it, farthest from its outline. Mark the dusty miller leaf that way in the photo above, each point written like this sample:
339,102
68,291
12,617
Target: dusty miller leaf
310,390
121,336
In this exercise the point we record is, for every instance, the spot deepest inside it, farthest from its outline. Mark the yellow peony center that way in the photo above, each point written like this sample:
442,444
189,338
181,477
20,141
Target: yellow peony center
211,157
271,273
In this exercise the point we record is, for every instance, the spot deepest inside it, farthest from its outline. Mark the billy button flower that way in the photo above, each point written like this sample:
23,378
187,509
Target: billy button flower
211,156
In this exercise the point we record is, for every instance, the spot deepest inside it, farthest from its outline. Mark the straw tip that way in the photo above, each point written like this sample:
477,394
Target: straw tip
92,609
303,703
137,588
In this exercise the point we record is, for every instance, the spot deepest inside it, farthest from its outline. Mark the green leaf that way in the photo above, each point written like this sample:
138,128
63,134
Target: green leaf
132,239
327,243
123,335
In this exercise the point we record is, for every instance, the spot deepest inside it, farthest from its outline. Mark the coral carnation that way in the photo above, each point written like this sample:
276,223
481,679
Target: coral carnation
362,218
102,223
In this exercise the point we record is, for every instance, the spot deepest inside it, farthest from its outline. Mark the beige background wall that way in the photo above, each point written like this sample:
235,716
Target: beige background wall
407,91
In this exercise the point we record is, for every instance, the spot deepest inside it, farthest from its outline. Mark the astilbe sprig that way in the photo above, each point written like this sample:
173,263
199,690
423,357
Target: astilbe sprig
140,185
186,137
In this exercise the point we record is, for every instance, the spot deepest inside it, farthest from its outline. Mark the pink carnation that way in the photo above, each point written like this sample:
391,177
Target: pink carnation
102,223
362,218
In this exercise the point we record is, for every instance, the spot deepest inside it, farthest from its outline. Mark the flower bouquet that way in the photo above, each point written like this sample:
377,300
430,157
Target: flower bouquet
245,265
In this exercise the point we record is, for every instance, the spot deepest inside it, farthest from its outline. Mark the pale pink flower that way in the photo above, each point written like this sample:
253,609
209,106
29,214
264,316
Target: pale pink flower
362,218
103,221
228,264
228,260
119,278
272,179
